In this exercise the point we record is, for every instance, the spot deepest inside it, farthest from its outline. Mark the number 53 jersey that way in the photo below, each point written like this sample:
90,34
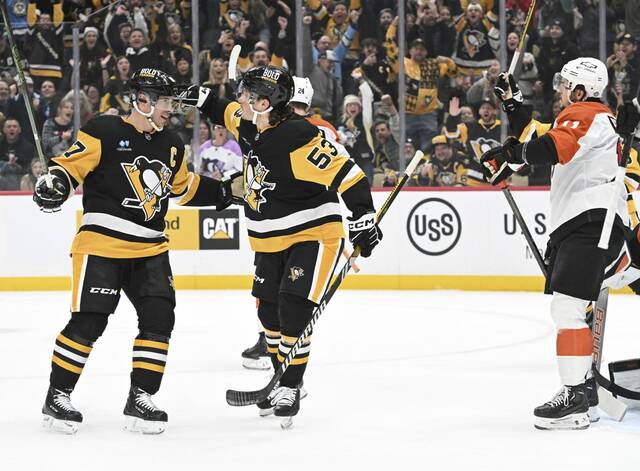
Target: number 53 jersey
292,176
128,177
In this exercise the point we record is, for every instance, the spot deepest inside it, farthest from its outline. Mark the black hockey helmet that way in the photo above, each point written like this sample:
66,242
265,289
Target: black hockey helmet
154,82
273,83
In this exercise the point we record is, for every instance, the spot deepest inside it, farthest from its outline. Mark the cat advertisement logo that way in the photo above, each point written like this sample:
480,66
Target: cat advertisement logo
219,229
150,182
256,183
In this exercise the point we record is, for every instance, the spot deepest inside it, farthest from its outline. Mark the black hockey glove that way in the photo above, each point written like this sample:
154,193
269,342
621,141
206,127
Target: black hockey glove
364,232
193,95
508,93
627,120
496,161
230,191
50,199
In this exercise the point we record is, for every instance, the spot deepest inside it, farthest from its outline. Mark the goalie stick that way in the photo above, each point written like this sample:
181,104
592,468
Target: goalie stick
22,83
246,398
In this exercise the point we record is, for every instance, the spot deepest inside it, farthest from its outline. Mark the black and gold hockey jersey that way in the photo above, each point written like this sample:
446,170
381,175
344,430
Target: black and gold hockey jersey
128,177
478,138
291,178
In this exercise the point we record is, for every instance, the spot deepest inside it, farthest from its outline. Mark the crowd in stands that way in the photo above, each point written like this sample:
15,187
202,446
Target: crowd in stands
351,57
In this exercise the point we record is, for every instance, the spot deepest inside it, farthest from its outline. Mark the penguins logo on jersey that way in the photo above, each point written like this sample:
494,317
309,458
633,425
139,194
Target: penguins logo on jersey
255,182
473,40
296,272
482,145
150,182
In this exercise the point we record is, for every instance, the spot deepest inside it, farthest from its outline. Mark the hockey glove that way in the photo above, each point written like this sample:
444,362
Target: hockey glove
194,95
627,120
50,199
230,191
364,233
508,93
496,161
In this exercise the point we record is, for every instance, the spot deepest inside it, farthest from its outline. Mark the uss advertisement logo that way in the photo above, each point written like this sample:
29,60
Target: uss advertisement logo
219,229
434,226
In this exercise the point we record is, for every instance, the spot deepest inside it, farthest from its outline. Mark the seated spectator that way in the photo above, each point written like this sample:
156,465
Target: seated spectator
183,73
354,136
328,91
29,180
624,70
477,137
204,135
117,90
93,94
176,45
10,173
18,110
219,80
483,88
14,148
86,109
5,99
374,67
47,104
223,157
57,133
448,167
387,135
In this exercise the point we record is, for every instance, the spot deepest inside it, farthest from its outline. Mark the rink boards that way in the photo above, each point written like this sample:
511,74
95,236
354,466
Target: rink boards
453,239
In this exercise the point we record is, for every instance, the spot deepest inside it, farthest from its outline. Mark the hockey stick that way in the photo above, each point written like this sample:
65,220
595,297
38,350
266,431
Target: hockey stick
22,83
516,54
232,69
345,254
525,230
246,398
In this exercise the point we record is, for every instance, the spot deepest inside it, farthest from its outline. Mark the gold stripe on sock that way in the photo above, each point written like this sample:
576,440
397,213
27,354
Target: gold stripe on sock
148,366
65,365
151,344
72,344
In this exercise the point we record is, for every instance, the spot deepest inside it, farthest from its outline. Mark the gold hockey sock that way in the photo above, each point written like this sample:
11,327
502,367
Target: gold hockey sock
149,360
70,354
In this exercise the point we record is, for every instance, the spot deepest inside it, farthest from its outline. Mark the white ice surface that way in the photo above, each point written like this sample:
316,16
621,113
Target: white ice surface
440,380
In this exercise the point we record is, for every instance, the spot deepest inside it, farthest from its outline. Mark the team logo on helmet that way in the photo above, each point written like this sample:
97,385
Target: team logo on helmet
150,182
255,182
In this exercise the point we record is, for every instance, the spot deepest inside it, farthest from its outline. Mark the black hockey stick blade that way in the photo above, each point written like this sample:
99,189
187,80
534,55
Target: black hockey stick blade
247,398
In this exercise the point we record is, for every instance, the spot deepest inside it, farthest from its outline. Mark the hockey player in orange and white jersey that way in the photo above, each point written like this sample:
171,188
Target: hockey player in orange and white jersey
583,147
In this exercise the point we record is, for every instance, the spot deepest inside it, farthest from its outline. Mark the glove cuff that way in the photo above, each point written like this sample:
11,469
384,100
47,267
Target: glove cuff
362,223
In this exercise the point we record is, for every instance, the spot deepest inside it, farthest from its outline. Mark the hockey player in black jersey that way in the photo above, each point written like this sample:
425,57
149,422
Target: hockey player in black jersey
292,177
129,168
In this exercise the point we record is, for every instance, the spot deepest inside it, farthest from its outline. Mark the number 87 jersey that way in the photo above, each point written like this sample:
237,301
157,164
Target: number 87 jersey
292,177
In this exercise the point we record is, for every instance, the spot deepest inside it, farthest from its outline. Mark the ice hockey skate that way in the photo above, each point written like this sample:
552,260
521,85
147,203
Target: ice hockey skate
256,357
567,410
142,415
286,405
591,390
266,407
59,414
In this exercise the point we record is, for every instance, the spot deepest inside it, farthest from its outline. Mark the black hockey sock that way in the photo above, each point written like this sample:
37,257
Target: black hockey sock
70,354
273,341
149,359
293,375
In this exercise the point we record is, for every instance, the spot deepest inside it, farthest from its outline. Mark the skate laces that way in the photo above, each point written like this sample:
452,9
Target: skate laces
284,396
62,400
143,399
561,397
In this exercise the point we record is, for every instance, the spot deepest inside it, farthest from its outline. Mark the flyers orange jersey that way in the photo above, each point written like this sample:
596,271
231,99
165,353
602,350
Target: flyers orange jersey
128,177
587,147
292,177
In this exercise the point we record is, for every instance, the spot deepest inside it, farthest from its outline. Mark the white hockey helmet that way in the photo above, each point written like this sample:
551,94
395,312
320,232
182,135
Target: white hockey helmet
586,71
302,91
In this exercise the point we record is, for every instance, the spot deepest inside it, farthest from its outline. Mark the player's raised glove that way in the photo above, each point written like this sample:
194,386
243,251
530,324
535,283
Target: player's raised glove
364,232
230,191
508,92
50,199
627,119
496,161
193,95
